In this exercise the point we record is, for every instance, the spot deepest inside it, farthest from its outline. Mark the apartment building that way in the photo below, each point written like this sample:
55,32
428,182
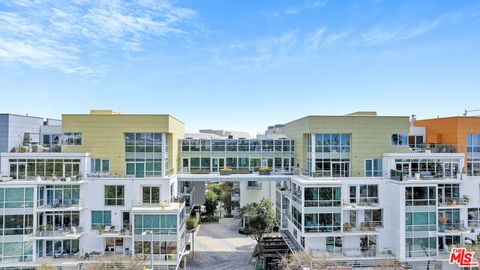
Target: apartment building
110,191
357,190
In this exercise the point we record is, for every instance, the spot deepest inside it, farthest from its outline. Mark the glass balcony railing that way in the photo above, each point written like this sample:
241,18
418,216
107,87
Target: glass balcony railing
370,252
434,148
48,231
422,175
65,203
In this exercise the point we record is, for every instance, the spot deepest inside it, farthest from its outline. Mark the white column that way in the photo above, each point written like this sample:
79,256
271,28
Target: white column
312,149
164,155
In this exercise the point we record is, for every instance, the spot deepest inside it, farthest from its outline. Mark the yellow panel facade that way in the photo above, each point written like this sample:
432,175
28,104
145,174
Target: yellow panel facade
103,135
370,135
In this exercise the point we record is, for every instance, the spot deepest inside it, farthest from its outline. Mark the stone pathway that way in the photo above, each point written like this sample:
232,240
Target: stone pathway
220,246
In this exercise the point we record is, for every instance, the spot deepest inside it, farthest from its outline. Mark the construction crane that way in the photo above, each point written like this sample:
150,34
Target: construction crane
468,111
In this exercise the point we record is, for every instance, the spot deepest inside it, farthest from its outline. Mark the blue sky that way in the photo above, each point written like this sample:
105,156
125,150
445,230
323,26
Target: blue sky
239,65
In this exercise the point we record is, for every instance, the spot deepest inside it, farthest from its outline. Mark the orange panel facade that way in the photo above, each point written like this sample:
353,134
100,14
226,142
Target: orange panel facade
450,130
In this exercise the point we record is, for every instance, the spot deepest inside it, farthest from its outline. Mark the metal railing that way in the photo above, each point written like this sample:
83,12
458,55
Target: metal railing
141,203
434,148
67,203
234,171
48,231
425,175
360,252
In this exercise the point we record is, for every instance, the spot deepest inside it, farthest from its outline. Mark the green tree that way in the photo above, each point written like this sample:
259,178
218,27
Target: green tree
211,201
226,199
259,220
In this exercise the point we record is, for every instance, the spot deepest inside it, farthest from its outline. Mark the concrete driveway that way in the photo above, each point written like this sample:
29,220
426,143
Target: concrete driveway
220,246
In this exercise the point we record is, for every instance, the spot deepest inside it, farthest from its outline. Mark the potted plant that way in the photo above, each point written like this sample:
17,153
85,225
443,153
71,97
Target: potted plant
226,171
443,221
42,228
466,199
100,228
264,171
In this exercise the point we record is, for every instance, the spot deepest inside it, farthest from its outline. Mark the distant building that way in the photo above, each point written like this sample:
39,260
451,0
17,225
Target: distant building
226,133
15,130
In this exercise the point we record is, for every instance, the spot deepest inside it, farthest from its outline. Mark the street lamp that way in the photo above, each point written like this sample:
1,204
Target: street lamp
151,246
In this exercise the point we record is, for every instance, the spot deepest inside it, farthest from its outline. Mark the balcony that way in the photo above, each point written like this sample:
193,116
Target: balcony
363,203
46,231
404,176
62,205
52,180
355,253
174,205
453,202
112,231
364,228
230,171
434,148
446,227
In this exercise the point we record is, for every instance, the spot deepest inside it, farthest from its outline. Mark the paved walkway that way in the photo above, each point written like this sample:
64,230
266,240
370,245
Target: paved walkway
220,246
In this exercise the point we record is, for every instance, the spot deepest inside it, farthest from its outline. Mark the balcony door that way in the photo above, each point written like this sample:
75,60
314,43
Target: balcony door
340,169
54,196
403,167
441,195
55,220
217,164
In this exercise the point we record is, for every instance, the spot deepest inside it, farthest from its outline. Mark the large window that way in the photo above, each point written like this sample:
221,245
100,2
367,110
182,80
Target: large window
162,250
114,195
159,224
16,198
101,218
399,140
373,217
143,154
72,138
332,155
16,251
373,167
332,143
420,247
30,168
473,217
368,193
453,218
428,169
420,221
448,194
58,196
51,139
322,222
473,154
322,196
100,165
420,196
16,224
150,195
296,217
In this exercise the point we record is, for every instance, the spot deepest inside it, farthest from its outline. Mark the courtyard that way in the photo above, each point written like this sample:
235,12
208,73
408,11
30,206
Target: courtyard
220,246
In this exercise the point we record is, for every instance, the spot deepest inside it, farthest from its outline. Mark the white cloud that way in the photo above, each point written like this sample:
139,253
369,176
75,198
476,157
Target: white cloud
294,10
289,47
64,36
381,34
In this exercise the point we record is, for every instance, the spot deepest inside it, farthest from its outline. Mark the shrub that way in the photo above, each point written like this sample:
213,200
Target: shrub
209,218
192,221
